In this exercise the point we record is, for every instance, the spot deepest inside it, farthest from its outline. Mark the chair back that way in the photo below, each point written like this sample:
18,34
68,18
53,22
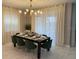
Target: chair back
20,41
14,39
47,44
30,45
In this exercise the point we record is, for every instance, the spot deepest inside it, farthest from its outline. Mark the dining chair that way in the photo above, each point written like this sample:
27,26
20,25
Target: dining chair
47,44
30,45
44,35
20,41
14,41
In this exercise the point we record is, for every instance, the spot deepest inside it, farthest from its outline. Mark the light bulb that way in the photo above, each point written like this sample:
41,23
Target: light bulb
35,13
41,12
20,11
38,11
30,13
32,10
25,13
27,10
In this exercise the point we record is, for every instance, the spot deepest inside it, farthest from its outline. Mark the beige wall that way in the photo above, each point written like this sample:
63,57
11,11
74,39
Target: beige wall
22,22
24,19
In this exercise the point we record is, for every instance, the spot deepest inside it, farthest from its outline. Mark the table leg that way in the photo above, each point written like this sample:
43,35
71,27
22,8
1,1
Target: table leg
15,45
39,51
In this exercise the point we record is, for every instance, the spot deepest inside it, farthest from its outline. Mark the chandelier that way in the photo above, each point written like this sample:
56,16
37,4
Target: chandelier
31,11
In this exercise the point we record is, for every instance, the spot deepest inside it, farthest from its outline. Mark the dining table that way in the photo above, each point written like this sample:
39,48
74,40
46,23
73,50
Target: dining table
33,37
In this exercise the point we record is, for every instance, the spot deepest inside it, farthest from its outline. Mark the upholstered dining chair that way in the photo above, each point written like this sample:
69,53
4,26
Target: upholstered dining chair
47,44
14,41
20,41
17,41
30,45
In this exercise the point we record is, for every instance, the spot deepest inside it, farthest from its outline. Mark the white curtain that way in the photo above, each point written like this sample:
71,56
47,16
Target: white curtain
51,23
11,23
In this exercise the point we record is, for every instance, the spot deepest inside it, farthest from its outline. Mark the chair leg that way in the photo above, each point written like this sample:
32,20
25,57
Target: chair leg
14,45
48,49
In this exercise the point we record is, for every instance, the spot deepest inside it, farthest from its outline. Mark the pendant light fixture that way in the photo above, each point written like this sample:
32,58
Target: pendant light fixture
31,11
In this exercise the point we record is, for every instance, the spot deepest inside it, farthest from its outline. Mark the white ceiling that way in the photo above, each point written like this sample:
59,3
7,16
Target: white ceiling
23,4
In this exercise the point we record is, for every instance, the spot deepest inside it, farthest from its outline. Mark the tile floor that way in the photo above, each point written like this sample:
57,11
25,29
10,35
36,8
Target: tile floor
9,52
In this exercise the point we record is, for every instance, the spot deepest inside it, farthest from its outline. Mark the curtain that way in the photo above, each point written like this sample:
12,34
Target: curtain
11,23
51,23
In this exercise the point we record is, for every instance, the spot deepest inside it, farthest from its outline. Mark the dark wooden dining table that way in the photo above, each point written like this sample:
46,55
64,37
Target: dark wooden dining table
37,40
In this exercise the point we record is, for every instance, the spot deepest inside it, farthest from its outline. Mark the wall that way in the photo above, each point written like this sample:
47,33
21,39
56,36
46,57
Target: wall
24,19
22,22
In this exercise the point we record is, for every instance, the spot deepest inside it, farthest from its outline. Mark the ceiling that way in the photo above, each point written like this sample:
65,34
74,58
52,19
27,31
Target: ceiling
23,4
